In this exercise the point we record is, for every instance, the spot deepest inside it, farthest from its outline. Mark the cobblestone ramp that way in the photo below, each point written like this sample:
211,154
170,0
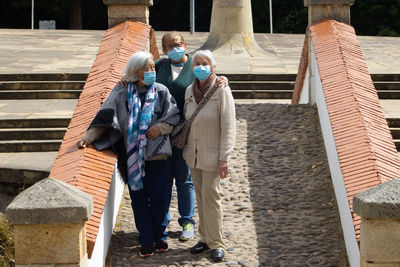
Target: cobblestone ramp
279,206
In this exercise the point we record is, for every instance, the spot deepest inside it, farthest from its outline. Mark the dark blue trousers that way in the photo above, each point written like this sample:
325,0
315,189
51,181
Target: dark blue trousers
151,204
184,187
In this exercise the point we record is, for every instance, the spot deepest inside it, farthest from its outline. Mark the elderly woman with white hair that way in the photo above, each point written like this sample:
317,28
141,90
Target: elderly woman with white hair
211,140
135,121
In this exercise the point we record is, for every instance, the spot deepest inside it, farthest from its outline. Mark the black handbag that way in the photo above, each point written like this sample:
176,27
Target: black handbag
181,132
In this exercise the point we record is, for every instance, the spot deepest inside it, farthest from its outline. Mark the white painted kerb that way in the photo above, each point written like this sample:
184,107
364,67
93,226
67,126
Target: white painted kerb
318,98
108,220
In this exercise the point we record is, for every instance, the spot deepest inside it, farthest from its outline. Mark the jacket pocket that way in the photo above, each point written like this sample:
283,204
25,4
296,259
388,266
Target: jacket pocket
209,157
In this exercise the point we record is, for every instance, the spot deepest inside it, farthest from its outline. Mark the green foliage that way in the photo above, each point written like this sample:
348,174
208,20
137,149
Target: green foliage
376,17
6,243
165,16
369,17
17,13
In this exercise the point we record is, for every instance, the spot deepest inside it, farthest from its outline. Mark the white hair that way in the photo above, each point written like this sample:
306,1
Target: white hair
137,62
207,54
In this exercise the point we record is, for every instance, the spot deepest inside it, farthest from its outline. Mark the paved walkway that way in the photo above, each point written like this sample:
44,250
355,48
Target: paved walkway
279,206
72,51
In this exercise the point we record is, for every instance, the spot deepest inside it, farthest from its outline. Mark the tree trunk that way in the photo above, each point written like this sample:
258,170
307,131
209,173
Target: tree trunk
75,15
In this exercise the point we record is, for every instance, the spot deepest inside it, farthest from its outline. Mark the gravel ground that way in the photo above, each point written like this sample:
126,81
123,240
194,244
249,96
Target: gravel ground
279,205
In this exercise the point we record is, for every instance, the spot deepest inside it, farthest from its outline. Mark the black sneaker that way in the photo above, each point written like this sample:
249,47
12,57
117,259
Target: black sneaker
161,246
146,251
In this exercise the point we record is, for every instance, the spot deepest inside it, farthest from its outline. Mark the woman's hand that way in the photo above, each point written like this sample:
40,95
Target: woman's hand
221,81
153,132
82,143
122,83
223,168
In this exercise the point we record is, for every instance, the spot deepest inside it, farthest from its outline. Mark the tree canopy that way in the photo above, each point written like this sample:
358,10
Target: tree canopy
369,17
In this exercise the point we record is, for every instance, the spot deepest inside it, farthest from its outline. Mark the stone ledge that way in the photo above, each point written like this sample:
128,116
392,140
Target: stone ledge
50,201
128,2
328,2
382,201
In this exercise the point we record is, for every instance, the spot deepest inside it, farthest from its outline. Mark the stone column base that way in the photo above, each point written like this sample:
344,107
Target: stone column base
233,44
83,263
49,243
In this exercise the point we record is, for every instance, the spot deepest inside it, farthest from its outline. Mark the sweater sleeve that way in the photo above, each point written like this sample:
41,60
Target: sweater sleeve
165,128
228,123
94,133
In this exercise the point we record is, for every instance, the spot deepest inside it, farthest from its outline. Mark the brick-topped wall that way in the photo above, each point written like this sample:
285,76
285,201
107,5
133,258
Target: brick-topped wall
87,169
364,145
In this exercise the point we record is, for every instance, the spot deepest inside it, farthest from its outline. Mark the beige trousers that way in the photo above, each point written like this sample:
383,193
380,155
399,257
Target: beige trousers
209,207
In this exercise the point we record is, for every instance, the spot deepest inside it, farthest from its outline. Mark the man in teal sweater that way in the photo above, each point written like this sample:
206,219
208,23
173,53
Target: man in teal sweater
175,72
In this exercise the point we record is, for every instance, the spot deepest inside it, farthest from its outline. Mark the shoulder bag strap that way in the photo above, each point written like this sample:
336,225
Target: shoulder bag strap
202,103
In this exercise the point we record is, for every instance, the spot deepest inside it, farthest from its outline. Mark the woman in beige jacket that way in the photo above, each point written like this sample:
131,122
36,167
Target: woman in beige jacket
211,140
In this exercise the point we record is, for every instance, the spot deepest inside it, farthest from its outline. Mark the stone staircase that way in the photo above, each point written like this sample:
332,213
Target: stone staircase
280,86
35,111
262,86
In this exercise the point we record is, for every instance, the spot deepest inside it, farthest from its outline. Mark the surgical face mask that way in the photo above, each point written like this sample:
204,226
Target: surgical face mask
202,72
149,77
177,53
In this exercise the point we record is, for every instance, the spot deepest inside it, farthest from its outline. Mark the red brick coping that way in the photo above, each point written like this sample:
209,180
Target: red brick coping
87,169
364,145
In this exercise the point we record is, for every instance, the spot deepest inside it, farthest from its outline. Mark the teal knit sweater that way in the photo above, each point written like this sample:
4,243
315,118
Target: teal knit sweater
177,87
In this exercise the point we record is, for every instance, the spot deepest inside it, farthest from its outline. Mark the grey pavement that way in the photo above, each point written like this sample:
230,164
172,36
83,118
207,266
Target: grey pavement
38,161
72,51
50,51
37,109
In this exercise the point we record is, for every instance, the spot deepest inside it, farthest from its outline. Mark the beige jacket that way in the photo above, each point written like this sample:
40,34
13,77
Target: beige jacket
212,133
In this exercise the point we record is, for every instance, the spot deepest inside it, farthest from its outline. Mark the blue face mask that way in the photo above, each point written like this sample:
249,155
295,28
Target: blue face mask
149,77
177,53
202,72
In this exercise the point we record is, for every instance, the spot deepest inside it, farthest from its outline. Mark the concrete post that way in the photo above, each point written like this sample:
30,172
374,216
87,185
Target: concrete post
328,9
231,29
49,224
379,209
121,10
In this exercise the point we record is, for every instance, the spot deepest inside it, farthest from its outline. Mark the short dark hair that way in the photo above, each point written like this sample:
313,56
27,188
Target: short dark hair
169,35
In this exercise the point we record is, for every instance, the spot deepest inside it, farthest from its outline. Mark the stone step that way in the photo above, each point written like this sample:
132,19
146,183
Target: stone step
41,85
9,146
397,143
261,85
262,94
32,133
387,85
292,77
20,170
388,94
386,77
395,132
259,77
44,77
39,94
393,122
35,123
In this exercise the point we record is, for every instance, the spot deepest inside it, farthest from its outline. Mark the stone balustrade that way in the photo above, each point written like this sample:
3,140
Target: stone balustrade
379,209
49,224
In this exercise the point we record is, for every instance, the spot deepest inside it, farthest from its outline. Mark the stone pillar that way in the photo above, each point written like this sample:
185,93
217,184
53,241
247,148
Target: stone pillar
49,224
231,29
379,209
328,9
121,10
